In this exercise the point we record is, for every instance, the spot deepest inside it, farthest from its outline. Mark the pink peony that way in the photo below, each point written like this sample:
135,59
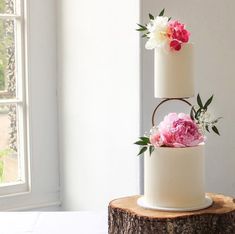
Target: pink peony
156,140
177,131
176,45
186,133
177,34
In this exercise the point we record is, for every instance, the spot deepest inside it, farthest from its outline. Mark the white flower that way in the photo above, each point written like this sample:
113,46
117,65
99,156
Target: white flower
153,130
157,32
206,117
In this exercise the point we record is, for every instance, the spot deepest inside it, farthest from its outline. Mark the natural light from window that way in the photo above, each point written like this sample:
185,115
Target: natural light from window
13,131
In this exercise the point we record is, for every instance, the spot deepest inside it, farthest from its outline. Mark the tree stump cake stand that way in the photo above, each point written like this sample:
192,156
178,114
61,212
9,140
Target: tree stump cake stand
126,217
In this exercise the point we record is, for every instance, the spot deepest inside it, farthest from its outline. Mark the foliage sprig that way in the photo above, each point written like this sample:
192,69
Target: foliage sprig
145,145
144,29
198,113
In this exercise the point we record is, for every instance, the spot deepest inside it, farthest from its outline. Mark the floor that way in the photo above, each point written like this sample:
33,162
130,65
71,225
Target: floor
82,222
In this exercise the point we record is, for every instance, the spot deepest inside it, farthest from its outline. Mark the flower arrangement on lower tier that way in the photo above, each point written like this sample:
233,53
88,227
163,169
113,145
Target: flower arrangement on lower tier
181,130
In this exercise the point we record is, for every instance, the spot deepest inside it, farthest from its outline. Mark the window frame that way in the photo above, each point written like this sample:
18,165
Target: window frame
21,101
42,105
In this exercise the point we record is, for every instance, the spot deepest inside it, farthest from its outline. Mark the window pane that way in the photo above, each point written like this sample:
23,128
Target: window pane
7,6
9,154
7,59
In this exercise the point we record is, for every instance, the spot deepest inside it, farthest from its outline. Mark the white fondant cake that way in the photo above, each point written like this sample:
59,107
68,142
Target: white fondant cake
173,72
174,177
174,172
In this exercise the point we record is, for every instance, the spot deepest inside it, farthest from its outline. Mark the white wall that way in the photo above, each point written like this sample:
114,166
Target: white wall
98,69
211,25
43,100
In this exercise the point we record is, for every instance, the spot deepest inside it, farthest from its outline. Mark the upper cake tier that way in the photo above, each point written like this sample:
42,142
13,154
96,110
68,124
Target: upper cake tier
173,72
173,56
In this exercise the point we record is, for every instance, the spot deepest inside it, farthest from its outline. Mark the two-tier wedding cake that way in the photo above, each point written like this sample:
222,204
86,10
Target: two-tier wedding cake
174,149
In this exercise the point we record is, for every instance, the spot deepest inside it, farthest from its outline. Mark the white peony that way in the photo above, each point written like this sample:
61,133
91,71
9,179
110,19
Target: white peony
158,29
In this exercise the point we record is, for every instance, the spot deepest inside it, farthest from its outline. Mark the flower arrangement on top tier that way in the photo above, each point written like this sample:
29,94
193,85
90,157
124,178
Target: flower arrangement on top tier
162,31
181,130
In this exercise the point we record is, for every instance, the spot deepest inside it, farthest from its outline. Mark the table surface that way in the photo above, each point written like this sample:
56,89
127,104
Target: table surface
81,222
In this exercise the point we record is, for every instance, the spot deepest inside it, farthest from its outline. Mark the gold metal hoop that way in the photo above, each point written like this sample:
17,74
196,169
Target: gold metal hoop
166,100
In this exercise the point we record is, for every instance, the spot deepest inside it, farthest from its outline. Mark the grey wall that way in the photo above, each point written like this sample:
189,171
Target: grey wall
213,33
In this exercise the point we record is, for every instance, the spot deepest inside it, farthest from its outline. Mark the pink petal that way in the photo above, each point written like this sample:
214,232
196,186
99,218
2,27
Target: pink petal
175,44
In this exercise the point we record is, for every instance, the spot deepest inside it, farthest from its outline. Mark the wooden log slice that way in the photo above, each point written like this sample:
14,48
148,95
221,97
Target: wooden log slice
126,217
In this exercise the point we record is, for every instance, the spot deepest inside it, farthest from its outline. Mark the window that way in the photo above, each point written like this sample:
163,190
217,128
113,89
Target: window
13,115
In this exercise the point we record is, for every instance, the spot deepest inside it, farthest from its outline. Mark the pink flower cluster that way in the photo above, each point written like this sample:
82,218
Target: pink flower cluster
177,34
176,131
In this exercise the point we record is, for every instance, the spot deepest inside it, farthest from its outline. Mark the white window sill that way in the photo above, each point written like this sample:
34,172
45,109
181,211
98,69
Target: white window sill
28,201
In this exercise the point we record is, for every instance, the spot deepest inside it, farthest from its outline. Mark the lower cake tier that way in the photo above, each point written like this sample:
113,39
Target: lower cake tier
174,178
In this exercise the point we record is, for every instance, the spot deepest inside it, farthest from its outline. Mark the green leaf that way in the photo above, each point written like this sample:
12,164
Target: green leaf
216,120
140,143
208,102
144,35
151,17
142,150
169,19
207,128
145,139
198,112
192,112
140,29
151,149
199,101
142,26
162,12
215,129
